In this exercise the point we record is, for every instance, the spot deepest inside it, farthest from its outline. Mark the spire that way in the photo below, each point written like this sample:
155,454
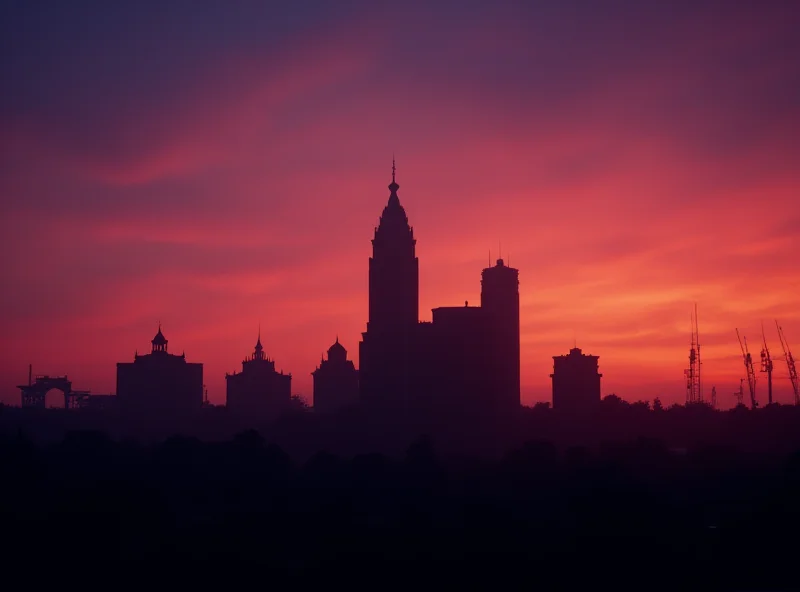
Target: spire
258,354
393,187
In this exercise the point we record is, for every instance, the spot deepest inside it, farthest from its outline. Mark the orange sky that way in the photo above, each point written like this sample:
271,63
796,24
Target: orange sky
214,177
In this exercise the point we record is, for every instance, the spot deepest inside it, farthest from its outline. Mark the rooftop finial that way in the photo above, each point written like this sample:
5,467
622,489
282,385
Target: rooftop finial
393,186
259,347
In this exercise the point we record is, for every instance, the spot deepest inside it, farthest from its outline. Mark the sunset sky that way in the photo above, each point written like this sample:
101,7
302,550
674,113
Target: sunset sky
213,165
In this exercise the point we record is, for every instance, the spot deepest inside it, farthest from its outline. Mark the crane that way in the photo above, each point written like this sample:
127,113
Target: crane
740,393
789,362
751,374
766,365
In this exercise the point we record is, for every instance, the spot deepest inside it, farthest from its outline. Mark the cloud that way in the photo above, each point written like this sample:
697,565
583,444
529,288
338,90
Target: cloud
226,171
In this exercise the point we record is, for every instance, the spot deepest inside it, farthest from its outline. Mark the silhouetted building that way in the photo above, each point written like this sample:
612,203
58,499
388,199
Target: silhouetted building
457,349
387,346
159,383
500,301
467,356
576,382
335,381
258,391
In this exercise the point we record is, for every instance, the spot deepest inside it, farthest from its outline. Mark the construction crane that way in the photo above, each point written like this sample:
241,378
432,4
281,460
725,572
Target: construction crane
787,353
694,391
751,373
766,365
740,393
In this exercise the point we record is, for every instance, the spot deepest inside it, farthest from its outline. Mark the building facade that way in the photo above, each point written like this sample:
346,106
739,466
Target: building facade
159,383
576,382
335,381
258,391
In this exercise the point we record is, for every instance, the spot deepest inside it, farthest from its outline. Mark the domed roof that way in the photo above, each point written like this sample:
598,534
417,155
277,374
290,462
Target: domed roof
336,348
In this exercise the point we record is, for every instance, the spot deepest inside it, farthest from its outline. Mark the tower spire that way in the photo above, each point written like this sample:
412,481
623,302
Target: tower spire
394,186
258,353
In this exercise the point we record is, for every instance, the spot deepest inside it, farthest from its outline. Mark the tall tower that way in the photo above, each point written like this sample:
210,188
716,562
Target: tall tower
393,270
385,352
500,300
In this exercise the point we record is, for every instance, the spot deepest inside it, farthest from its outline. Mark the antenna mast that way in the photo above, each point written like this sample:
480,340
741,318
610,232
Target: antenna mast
713,397
766,364
751,374
694,391
787,353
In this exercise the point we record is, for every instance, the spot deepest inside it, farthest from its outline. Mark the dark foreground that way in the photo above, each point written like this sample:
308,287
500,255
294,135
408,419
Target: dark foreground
632,513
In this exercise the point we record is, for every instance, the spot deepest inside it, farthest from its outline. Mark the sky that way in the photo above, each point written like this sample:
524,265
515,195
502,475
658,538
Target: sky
216,165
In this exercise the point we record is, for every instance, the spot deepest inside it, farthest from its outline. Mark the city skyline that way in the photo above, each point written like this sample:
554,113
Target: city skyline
246,189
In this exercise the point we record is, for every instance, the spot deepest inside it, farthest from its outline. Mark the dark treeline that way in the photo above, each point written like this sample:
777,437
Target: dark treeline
712,514
715,507
302,433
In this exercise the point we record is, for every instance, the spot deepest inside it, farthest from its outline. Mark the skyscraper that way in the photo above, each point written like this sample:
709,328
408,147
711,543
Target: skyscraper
386,348
500,301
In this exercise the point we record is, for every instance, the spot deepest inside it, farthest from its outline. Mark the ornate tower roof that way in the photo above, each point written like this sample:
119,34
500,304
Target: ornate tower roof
159,341
258,353
393,227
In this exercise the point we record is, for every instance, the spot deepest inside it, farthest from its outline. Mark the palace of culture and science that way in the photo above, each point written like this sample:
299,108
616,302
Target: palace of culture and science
467,357
466,360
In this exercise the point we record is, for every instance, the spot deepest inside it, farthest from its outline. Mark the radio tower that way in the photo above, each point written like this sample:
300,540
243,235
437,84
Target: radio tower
740,393
787,353
751,373
766,365
713,397
694,389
